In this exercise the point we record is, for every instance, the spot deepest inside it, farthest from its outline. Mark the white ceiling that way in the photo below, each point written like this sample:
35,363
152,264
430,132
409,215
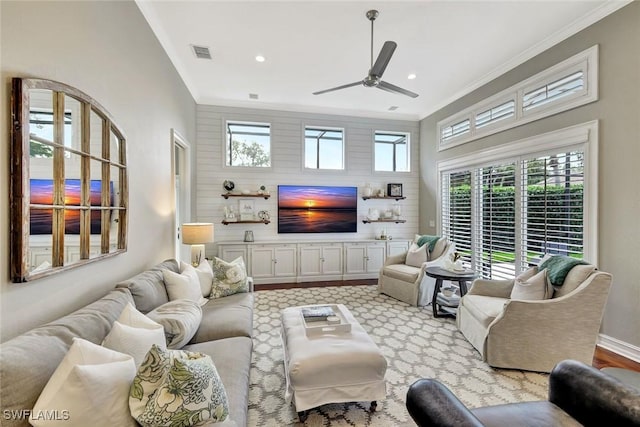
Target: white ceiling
452,46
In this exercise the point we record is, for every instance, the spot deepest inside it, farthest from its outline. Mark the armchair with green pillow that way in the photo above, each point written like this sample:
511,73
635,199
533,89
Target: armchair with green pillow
549,313
402,276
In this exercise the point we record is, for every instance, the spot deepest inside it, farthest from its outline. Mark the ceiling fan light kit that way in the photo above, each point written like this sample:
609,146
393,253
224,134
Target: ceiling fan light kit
374,78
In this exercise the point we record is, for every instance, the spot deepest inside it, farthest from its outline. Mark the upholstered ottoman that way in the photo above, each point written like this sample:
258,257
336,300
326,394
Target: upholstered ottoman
330,367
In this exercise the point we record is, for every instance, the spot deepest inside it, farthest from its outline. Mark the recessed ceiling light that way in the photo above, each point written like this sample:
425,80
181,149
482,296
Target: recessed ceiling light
260,58
411,76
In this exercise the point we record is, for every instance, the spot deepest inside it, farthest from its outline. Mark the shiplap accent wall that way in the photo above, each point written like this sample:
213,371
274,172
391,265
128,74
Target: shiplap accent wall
287,151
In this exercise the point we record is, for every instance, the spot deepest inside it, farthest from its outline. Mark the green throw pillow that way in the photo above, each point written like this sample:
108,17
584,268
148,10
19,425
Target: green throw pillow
428,240
177,388
229,278
558,266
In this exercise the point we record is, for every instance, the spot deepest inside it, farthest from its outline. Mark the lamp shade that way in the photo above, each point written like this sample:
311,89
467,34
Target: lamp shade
197,233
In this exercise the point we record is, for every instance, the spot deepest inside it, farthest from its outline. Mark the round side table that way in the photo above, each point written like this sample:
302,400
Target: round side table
441,274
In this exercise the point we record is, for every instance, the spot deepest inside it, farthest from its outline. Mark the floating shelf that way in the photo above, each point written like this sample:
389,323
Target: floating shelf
227,195
397,221
255,221
396,198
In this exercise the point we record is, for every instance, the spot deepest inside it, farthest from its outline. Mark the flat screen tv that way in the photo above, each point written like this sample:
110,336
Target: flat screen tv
317,209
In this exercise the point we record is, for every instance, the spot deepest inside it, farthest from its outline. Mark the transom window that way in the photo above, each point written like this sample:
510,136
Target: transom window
506,214
248,144
323,148
391,151
566,85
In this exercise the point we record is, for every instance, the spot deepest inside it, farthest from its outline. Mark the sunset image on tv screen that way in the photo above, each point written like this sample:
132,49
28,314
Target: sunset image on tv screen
317,209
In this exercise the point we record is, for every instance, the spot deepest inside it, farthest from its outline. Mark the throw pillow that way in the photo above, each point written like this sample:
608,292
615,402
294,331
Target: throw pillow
416,255
575,277
229,278
88,388
205,276
428,240
438,249
559,266
134,334
185,285
180,318
527,274
534,288
175,387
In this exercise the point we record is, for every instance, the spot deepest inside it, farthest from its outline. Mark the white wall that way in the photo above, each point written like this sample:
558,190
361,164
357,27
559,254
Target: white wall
107,50
618,112
287,151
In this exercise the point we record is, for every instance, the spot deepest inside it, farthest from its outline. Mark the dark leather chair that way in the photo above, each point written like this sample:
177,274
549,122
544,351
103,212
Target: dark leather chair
579,395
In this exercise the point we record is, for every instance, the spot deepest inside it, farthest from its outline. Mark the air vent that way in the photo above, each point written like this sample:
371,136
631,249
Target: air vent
393,108
201,52
253,96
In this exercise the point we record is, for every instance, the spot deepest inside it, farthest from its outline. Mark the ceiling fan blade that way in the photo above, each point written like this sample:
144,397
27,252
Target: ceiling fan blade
383,58
338,88
395,89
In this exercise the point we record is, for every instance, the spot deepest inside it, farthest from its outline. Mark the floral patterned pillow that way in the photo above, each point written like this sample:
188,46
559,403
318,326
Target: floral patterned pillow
177,388
229,278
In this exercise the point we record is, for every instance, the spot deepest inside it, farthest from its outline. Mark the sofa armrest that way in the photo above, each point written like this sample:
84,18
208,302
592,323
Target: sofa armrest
492,288
396,259
430,403
593,397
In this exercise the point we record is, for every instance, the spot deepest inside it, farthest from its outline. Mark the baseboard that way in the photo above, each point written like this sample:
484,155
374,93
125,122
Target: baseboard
620,347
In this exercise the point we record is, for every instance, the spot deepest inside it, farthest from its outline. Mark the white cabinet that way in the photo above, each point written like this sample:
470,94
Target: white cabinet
231,252
320,261
397,247
273,263
364,260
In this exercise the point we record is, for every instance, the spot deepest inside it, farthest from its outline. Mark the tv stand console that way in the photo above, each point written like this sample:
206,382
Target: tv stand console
306,261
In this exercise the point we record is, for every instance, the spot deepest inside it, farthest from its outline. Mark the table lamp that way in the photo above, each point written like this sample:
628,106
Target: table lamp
197,234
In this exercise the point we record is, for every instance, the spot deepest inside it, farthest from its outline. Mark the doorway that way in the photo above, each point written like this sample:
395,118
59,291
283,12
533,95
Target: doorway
181,188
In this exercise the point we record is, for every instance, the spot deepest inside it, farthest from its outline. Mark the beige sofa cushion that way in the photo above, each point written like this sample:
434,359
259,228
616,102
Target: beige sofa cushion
147,288
534,288
483,308
416,255
575,277
403,272
226,317
438,249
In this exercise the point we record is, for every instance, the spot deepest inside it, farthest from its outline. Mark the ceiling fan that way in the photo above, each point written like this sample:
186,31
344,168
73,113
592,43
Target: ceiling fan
374,78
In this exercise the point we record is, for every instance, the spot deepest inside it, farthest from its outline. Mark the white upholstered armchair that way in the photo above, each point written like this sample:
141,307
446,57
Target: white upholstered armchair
535,335
402,276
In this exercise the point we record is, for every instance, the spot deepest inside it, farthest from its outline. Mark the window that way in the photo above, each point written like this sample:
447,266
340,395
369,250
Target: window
323,148
391,151
496,114
248,144
504,214
455,130
566,85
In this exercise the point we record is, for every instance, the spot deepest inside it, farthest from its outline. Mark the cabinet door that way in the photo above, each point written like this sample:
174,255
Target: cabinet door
356,258
262,262
310,260
332,260
375,257
285,261
229,253
397,247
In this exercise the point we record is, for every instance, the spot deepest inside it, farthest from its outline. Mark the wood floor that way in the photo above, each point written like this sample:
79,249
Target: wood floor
602,357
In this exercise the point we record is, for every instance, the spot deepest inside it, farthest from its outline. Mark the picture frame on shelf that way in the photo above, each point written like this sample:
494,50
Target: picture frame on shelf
394,190
247,209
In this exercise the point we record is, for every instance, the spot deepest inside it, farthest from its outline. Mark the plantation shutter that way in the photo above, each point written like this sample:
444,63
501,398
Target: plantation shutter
494,229
456,211
552,205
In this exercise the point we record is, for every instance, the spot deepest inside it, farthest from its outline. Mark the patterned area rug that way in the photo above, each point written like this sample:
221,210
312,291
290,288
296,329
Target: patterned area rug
415,344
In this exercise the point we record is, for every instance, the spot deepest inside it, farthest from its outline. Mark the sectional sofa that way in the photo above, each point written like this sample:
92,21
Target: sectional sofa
28,361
